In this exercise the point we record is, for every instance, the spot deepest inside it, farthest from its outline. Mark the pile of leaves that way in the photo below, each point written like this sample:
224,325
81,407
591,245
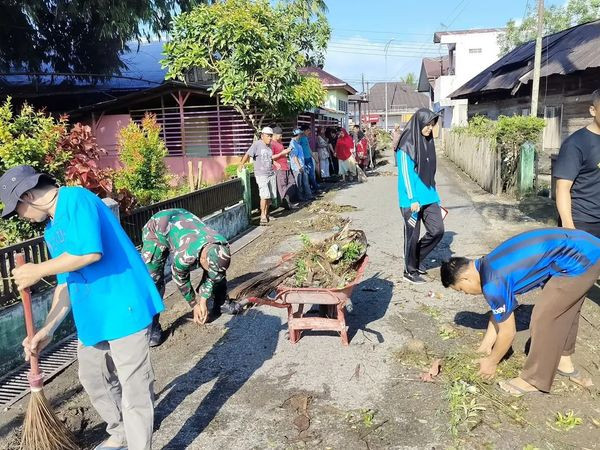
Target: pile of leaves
331,263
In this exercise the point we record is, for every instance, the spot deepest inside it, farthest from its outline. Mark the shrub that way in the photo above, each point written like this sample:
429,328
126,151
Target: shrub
509,134
142,153
232,169
31,137
82,169
71,157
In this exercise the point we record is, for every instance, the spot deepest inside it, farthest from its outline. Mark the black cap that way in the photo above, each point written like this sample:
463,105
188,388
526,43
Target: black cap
14,183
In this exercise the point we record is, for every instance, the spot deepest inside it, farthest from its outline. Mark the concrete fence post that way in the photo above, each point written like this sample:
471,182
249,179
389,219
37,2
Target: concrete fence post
244,176
526,168
113,205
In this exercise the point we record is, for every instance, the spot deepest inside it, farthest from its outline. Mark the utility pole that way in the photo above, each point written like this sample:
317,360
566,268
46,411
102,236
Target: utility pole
363,93
537,62
387,47
368,107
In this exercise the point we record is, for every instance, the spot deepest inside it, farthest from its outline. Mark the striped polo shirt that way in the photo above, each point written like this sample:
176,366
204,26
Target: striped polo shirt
528,260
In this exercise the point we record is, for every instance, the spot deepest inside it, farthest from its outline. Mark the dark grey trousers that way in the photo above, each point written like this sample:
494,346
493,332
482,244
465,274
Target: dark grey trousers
415,249
592,228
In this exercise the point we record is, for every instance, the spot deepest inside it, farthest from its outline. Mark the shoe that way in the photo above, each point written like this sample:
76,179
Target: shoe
230,307
155,338
293,206
421,270
103,446
414,278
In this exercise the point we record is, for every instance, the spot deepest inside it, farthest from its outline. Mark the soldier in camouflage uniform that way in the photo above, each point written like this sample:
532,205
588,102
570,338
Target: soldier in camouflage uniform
192,245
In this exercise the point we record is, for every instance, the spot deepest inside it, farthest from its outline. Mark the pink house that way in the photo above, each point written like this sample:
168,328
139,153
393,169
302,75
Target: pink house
195,126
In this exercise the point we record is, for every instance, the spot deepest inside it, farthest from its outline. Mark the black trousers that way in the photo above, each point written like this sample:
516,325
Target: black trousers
415,249
592,228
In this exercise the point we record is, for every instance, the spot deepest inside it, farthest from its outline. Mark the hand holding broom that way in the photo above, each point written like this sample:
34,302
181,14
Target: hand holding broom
42,430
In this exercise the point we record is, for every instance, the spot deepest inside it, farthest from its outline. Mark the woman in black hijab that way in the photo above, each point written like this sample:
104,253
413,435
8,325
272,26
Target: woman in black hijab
418,198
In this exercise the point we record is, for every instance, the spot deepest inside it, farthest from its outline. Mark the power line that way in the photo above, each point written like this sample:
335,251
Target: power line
374,52
420,55
376,44
381,32
374,39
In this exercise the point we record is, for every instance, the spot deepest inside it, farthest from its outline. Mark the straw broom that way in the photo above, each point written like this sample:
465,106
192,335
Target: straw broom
42,430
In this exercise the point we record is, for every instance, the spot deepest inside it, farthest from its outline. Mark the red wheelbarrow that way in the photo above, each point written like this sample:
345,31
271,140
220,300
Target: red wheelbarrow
333,299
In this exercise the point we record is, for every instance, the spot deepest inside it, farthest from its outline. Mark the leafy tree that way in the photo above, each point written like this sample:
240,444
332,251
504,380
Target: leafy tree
78,36
410,79
313,30
254,50
556,18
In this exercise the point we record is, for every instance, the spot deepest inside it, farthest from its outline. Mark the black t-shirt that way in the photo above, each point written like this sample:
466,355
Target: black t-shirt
579,161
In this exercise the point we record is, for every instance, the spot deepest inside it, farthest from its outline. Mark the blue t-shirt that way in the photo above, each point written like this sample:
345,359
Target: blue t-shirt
111,298
411,188
528,260
298,153
305,143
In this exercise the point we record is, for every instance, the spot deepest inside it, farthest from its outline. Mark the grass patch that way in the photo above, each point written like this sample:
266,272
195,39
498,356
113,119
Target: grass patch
413,359
469,396
431,311
447,333
368,417
566,421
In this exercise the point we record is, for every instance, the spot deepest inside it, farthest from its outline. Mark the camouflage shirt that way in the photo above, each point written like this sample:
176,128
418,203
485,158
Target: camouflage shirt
184,235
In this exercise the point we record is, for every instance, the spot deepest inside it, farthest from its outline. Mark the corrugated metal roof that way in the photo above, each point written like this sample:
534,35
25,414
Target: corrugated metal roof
438,34
143,71
400,95
563,53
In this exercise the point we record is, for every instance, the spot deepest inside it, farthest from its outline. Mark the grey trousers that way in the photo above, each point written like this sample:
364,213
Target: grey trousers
118,377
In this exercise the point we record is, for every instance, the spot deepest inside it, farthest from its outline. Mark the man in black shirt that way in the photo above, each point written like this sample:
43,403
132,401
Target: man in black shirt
577,171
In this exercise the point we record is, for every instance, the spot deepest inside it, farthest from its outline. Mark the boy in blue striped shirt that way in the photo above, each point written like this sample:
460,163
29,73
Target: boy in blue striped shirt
565,264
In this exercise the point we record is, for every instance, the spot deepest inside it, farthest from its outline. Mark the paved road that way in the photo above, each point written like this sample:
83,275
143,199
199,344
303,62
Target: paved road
239,384
232,395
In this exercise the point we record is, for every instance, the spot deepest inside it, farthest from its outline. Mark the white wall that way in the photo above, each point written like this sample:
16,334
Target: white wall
467,61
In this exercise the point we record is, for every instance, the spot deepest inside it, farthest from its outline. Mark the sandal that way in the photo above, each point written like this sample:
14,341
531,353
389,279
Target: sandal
575,377
264,222
509,388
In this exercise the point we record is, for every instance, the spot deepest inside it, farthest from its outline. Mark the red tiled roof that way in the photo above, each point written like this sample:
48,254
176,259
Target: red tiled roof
328,80
436,67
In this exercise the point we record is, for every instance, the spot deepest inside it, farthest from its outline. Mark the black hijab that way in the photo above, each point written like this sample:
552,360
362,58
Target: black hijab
421,149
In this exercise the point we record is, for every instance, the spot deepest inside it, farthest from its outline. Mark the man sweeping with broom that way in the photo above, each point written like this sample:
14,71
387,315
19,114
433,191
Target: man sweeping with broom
101,276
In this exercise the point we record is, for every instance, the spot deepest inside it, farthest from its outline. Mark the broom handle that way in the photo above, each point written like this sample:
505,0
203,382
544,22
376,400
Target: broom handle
26,298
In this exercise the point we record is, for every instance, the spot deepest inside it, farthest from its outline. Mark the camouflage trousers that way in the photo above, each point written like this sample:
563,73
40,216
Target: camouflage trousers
218,256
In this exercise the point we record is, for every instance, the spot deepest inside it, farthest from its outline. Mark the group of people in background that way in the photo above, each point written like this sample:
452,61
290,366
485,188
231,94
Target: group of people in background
293,172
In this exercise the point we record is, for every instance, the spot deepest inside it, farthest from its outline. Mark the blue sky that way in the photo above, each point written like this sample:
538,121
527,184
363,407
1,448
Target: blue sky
361,28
